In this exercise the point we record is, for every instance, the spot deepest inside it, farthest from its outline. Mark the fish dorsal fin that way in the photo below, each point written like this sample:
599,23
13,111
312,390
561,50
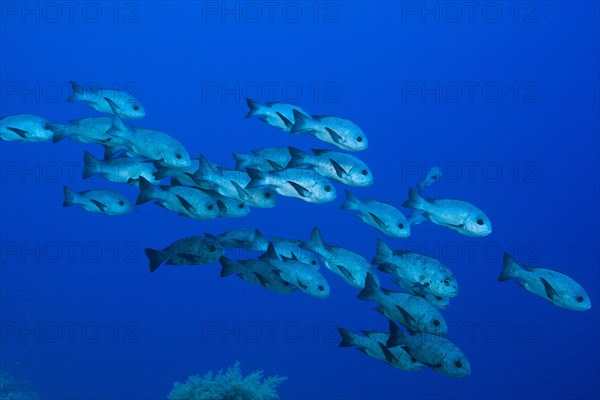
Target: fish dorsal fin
301,190
339,170
550,292
335,136
319,152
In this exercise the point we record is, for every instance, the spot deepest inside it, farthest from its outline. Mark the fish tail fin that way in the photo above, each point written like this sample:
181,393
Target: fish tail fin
155,258
351,203
59,130
301,123
229,267
70,197
415,201
348,338
383,253
371,289
510,268
299,157
315,241
254,108
91,165
78,93
257,178
397,337
147,192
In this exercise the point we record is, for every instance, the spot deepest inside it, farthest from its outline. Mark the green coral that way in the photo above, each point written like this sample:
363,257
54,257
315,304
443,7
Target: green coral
11,389
228,385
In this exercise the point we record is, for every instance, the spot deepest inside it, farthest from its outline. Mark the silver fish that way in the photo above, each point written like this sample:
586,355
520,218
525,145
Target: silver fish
456,215
242,238
193,250
125,105
102,201
279,115
382,216
85,130
551,285
25,128
342,167
339,132
119,170
416,270
256,272
275,155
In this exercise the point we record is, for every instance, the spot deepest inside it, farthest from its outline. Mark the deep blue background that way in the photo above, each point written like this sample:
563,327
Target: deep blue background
542,138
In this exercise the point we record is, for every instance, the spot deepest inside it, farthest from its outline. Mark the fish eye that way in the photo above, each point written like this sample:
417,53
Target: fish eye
209,207
212,248
267,195
313,262
579,299
457,364
446,282
436,322
121,203
178,156
480,221
328,188
359,139
136,108
401,226
364,172
241,205
321,288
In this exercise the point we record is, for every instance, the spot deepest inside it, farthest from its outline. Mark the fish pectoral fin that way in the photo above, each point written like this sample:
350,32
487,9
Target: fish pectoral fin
550,291
275,166
301,190
406,315
389,357
286,121
101,206
186,204
292,258
339,170
346,272
301,285
378,220
18,131
243,193
264,282
335,136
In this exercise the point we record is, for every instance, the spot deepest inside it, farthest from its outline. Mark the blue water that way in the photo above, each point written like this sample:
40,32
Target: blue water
503,96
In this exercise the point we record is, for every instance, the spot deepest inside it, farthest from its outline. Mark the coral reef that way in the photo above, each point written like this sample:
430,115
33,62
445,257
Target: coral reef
228,385
12,389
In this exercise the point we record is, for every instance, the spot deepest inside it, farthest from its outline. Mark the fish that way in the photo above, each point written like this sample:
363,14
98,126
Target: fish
297,183
85,130
279,156
119,170
244,161
438,302
231,183
351,267
125,105
25,128
416,270
256,272
155,145
382,216
373,344
193,250
436,352
433,176
243,238
337,131
342,167
186,201
279,115
228,207
102,201
414,312
291,249
114,150
457,215
554,286
304,277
